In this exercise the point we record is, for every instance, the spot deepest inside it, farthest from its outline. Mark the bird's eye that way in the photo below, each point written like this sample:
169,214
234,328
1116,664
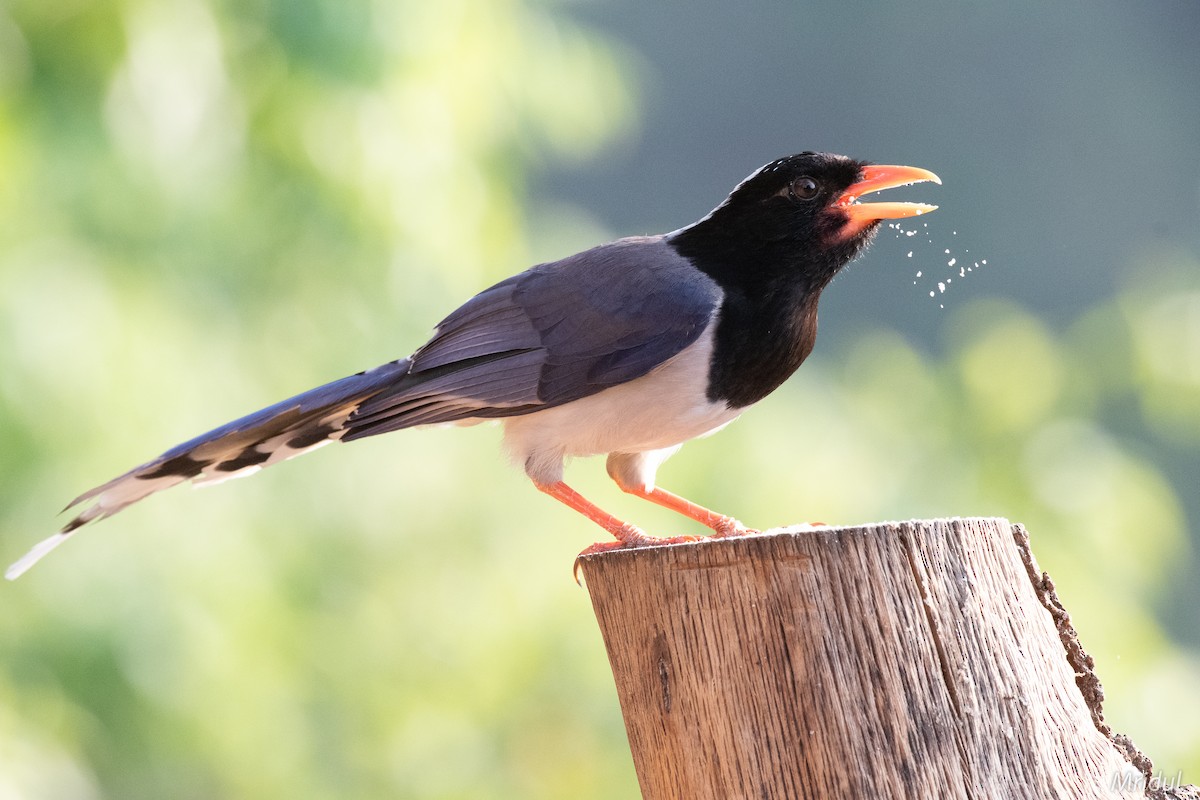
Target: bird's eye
804,188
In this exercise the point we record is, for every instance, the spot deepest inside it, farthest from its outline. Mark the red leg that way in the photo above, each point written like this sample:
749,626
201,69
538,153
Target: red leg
723,525
627,535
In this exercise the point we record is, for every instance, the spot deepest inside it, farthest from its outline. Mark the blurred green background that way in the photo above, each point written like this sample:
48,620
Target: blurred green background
208,206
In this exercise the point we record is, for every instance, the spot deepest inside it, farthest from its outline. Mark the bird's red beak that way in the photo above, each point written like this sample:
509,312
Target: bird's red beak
874,178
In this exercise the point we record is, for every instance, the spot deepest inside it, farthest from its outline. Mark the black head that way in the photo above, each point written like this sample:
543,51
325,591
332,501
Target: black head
795,220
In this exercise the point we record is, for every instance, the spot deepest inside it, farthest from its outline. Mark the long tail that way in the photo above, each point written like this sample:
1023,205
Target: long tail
277,433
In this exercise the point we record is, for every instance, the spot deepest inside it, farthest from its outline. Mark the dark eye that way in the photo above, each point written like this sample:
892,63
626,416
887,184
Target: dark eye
804,188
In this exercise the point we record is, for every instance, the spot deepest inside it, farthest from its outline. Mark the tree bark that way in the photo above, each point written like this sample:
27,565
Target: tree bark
926,659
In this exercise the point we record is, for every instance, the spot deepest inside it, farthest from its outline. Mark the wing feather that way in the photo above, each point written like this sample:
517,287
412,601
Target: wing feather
558,332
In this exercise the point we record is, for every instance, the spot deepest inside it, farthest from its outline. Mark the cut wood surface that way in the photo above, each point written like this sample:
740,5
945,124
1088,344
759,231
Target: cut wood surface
925,659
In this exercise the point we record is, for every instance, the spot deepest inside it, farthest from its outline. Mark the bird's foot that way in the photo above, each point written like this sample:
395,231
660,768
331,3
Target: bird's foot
728,526
630,537
644,541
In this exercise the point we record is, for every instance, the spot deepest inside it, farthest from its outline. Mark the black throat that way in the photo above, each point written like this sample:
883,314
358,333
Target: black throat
768,319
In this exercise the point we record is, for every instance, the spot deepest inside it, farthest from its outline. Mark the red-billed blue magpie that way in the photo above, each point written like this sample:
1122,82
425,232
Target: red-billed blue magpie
628,349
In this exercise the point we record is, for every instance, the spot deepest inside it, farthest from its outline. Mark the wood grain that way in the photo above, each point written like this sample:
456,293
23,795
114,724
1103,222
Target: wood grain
898,660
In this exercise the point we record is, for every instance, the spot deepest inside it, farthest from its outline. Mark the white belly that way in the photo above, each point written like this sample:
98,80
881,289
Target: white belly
660,410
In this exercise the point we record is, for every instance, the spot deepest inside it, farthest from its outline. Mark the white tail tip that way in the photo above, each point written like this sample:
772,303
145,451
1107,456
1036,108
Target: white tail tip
35,555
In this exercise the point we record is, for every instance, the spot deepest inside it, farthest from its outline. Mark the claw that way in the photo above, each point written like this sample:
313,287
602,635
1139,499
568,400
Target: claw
630,542
728,526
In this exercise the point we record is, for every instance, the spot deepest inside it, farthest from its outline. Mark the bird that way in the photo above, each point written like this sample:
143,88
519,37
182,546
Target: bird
627,349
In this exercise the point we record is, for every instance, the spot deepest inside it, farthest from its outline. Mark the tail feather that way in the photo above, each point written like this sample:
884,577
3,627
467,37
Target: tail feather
276,433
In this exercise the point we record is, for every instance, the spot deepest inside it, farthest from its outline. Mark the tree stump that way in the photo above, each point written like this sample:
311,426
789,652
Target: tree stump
925,659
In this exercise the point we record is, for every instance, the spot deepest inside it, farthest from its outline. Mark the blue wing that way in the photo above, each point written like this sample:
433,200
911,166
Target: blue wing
552,334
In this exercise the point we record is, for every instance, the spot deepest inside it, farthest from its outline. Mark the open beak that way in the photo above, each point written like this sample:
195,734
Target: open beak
876,177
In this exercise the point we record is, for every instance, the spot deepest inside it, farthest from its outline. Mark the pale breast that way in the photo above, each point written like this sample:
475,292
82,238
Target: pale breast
663,408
